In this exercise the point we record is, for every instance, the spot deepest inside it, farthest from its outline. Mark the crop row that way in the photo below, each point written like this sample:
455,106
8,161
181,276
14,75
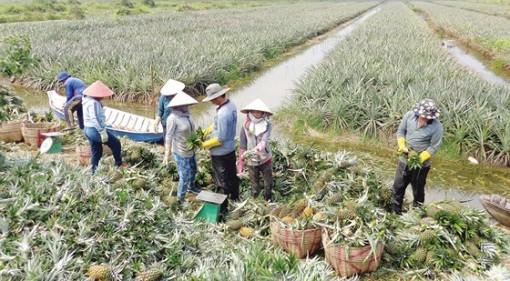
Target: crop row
137,54
488,34
385,67
491,9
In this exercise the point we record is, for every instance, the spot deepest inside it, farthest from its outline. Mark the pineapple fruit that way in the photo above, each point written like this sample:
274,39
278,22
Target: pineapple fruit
234,225
246,232
99,273
152,274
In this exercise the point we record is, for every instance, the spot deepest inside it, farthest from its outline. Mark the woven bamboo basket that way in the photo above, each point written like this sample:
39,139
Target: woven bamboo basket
32,132
348,261
84,153
298,242
10,131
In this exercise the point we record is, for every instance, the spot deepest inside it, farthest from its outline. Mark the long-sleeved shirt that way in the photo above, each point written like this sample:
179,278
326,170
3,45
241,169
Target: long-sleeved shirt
225,124
163,110
93,114
245,144
74,87
428,137
178,128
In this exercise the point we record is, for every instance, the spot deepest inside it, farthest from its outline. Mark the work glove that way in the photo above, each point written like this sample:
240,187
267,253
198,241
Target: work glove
211,143
424,156
241,162
156,124
104,136
208,130
260,147
166,158
402,147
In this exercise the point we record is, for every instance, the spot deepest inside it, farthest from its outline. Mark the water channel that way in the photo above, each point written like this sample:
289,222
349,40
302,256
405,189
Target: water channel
448,179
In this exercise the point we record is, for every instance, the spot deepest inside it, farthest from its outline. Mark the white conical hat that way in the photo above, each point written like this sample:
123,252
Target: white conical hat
172,87
181,99
257,105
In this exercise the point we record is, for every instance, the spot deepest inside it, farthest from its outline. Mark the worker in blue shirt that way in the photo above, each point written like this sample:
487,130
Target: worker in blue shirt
169,90
74,88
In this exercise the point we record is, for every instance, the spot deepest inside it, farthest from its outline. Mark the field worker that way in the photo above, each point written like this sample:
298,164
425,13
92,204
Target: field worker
74,88
421,131
95,127
180,126
221,142
169,90
254,144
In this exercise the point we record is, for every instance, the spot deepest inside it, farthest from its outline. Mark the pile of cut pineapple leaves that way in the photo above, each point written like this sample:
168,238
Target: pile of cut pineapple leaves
57,220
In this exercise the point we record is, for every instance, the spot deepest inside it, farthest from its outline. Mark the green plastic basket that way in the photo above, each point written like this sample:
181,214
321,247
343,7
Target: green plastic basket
208,212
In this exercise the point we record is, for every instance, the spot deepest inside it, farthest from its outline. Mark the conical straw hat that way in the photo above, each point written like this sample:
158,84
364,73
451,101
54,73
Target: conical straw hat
98,90
181,99
172,87
257,105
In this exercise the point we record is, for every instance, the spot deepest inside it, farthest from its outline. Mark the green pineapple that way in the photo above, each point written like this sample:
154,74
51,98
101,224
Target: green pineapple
152,274
237,214
335,198
473,249
429,260
346,214
234,225
420,255
427,235
276,211
432,210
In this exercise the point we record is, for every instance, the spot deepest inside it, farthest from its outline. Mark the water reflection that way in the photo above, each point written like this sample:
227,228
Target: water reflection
275,86
472,63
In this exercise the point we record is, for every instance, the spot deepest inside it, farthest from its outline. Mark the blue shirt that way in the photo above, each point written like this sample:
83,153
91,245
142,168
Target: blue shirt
428,137
93,114
163,110
225,124
74,87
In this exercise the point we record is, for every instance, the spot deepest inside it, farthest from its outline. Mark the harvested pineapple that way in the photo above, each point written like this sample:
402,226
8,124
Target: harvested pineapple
152,274
99,273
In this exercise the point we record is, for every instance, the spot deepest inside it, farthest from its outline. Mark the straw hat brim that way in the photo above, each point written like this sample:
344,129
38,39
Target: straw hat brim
215,95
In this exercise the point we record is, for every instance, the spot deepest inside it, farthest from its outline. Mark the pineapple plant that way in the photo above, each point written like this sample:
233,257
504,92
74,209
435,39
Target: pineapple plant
195,139
413,161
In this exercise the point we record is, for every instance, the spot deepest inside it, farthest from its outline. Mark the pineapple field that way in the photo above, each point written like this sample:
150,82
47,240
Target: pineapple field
330,218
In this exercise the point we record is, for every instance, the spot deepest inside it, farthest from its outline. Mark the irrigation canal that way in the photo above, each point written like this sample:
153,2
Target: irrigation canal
457,180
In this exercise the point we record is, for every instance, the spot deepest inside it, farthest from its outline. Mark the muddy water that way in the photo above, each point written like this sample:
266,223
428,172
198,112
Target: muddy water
458,180
469,61
276,85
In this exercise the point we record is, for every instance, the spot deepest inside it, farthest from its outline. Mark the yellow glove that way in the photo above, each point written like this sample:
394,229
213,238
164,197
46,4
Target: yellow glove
208,131
166,158
402,145
424,156
156,124
211,143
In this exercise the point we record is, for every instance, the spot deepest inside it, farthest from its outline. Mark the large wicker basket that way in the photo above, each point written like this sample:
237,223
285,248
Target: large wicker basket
32,132
10,131
347,260
84,153
298,242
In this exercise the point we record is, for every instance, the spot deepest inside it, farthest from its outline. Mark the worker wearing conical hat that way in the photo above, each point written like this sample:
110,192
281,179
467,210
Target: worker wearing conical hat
179,127
95,127
169,90
255,149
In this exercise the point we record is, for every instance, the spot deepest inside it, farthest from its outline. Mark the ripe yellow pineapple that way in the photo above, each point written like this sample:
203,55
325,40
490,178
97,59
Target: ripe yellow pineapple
152,274
308,212
288,219
246,231
99,273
